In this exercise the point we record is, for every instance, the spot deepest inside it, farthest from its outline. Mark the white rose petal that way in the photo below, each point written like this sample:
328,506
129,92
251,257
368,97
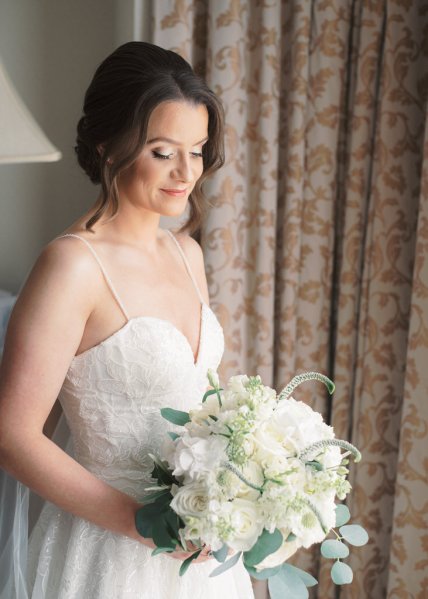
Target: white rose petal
246,523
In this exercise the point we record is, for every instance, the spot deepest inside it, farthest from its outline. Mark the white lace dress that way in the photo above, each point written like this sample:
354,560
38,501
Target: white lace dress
112,397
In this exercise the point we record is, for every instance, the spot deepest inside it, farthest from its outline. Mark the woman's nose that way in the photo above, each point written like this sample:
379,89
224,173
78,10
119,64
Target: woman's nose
183,170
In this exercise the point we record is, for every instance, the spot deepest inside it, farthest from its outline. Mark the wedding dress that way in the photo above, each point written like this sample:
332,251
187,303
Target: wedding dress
111,397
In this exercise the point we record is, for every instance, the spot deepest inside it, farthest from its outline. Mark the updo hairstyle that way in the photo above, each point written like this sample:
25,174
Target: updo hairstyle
126,88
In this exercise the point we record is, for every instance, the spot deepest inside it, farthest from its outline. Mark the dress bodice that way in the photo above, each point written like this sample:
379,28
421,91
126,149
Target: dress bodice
113,393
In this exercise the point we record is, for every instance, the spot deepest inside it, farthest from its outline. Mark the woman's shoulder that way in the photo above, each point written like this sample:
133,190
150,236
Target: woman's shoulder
68,261
68,251
190,246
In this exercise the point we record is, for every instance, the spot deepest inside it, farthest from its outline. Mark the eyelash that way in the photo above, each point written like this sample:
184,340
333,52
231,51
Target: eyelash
168,156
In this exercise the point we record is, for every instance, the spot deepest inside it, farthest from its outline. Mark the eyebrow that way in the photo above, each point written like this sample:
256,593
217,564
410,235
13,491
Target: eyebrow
172,141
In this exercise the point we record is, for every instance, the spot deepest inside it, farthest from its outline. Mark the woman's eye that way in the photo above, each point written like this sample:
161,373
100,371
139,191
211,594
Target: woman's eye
197,154
162,156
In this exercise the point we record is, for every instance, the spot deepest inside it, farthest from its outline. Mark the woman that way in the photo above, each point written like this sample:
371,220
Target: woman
114,319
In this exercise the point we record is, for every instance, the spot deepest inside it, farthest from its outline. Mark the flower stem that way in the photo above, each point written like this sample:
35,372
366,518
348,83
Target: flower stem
317,514
239,474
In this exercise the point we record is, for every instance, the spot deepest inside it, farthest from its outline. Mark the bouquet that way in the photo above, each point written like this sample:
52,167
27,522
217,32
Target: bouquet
256,474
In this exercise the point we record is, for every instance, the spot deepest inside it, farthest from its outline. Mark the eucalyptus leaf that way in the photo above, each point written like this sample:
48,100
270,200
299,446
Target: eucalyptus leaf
226,565
266,544
333,549
341,573
221,554
307,579
185,565
343,514
262,574
175,416
354,534
173,435
287,584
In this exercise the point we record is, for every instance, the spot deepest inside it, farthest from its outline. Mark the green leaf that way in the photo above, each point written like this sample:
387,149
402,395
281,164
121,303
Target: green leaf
185,565
173,435
162,475
207,394
221,554
343,514
287,584
341,573
262,574
175,416
226,565
306,578
354,534
160,534
333,549
158,550
266,544
291,537
146,516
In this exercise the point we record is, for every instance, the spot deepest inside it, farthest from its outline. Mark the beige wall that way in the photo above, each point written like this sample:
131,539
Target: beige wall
50,49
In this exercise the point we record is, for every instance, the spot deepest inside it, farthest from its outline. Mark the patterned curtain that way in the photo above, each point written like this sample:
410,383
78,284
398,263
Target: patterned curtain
316,239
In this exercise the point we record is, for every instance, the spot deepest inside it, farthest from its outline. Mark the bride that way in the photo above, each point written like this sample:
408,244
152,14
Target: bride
114,319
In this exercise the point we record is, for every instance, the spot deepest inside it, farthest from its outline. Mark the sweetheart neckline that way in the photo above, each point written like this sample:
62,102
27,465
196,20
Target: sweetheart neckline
168,322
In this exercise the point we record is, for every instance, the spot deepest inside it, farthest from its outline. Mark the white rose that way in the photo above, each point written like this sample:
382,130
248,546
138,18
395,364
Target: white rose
190,500
247,524
287,549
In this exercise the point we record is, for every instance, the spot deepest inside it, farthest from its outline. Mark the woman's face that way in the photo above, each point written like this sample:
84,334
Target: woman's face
164,174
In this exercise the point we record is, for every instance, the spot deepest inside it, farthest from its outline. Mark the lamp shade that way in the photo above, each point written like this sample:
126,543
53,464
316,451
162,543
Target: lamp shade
21,139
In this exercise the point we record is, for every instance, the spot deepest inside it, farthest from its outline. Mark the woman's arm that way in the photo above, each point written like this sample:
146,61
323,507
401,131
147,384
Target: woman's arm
44,333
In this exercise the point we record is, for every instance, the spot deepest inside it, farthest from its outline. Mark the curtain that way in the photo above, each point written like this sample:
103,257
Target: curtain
317,233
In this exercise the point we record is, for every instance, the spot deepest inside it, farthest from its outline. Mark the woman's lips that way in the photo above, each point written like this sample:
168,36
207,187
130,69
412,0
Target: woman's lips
175,192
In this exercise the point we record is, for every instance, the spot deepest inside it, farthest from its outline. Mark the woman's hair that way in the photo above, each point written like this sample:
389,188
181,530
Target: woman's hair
126,88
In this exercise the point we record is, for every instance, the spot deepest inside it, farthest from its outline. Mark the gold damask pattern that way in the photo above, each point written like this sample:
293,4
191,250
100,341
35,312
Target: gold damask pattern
317,240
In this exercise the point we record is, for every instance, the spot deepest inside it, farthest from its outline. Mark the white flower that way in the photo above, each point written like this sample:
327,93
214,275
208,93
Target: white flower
254,474
195,457
190,500
287,549
237,384
246,523
199,416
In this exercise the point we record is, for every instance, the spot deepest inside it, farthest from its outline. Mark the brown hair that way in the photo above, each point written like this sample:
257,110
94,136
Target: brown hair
126,88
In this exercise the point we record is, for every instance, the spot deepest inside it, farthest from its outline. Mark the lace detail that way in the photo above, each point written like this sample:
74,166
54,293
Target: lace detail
111,397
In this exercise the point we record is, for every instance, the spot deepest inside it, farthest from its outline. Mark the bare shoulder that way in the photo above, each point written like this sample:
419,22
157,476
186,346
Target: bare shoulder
65,274
195,256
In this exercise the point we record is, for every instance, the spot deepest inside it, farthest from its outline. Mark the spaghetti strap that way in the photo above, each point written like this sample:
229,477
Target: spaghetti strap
103,270
183,255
